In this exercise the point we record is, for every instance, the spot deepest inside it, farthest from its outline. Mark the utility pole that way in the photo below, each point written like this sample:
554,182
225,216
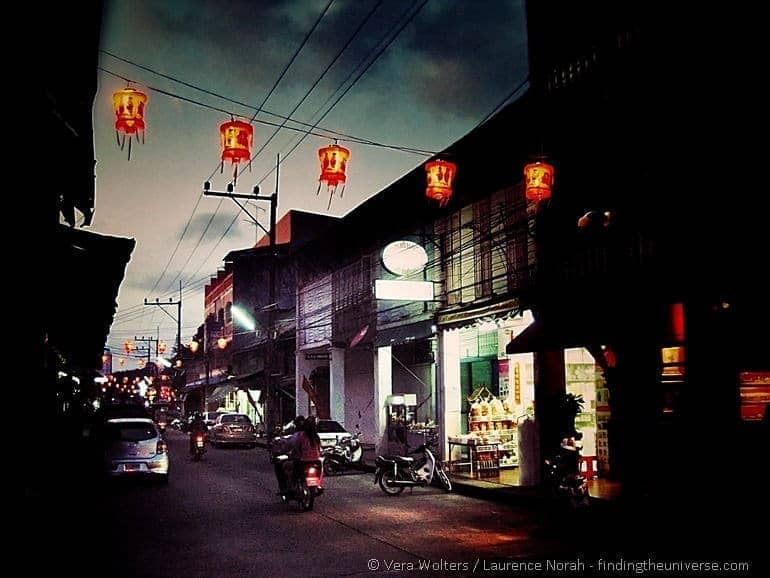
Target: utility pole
177,319
149,341
273,272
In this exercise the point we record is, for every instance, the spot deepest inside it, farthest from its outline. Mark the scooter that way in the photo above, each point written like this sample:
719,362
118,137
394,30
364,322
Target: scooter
346,453
562,474
199,447
394,473
305,484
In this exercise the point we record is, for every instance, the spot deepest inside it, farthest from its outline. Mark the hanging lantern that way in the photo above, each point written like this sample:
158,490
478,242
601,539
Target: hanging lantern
129,112
162,347
122,361
440,176
334,164
237,138
222,342
128,347
538,179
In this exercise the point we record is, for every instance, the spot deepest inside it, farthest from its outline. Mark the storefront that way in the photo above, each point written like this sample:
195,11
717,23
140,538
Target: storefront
489,404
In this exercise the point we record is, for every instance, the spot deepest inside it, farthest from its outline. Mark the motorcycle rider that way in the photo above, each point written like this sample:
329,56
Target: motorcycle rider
197,426
287,445
308,446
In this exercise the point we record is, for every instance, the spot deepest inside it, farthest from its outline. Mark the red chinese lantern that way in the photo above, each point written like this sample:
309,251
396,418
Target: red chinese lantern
334,163
538,178
237,138
440,176
129,112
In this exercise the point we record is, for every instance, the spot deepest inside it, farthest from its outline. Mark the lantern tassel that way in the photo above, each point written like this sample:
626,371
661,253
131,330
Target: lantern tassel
129,148
235,174
117,138
318,190
331,194
342,192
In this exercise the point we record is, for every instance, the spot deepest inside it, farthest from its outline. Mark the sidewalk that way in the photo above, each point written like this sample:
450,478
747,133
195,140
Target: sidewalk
601,491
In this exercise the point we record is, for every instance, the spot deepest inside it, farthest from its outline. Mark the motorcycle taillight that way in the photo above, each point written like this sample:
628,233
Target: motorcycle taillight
312,476
161,447
199,441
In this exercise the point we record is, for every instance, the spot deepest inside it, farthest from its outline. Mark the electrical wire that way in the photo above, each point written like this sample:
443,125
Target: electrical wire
320,77
360,75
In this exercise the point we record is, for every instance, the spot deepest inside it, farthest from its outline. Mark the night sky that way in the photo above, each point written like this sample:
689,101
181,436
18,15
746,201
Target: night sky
452,64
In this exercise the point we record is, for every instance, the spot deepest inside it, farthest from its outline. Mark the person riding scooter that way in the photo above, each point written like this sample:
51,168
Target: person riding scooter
285,445
197,427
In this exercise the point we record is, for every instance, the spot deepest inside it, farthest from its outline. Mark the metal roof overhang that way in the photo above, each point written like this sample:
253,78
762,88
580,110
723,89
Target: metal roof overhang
404,333
470,315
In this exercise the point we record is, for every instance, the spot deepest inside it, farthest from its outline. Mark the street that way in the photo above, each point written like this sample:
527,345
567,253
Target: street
221,517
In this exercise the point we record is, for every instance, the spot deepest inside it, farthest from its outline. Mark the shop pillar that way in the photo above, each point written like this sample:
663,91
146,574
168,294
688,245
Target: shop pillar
549,386
637,442
337,385
383,387
448,391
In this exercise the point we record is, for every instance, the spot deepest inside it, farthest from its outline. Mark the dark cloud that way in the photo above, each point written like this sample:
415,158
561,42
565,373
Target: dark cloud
214,224
461,55
240,47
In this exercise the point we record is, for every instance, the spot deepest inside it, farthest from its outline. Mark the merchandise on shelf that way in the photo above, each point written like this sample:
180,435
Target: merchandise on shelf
490,421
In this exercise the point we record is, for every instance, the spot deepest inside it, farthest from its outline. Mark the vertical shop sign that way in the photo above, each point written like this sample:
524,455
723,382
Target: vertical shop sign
517,383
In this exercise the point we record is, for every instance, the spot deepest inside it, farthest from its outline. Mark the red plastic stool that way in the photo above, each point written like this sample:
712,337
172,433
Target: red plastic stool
589,466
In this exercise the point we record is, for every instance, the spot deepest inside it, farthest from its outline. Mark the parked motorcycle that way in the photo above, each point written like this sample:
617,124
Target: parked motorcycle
305,484
199,447
394,473
562,474
346,453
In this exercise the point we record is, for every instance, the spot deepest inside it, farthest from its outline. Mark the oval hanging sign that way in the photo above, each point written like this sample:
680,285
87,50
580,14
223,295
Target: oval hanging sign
404,257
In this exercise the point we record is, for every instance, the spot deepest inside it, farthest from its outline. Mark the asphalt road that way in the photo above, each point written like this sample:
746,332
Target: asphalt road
221,517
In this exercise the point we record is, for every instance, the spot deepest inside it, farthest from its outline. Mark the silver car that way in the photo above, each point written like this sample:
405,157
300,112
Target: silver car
233,428
135,447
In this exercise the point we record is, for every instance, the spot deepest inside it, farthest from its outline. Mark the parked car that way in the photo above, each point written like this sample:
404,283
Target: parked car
210,417
331,432
135,447
233,428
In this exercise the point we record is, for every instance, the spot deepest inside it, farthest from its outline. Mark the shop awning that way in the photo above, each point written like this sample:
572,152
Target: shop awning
404,333
543,335
251,380
220,393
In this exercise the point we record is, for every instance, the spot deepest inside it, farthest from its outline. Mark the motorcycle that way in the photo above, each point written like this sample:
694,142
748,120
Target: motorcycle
199,447
346,453
305,485
562,474
394,473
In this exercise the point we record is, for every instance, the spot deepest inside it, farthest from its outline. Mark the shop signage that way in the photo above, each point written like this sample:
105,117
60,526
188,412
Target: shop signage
401,290
404,257
318,356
